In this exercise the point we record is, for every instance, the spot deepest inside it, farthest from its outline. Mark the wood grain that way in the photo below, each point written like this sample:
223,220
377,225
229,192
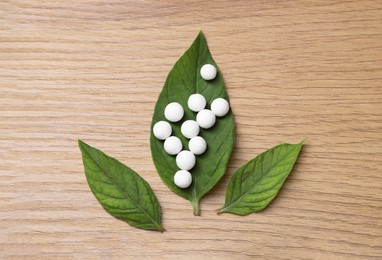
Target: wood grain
93,69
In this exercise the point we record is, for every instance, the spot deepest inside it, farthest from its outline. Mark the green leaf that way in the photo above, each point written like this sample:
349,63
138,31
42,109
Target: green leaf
120,190
255,184
184,80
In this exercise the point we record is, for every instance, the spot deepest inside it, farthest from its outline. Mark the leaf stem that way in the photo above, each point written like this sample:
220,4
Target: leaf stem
161,229
220,211
196,207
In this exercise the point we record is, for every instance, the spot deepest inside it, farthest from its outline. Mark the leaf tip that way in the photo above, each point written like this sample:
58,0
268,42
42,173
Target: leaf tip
201,35
303,140
82,144
84,147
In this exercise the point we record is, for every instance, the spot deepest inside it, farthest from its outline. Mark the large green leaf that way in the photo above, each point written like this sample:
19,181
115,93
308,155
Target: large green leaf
255,184
183,80
120,190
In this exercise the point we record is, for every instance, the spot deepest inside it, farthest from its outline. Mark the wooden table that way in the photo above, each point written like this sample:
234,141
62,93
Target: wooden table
93,70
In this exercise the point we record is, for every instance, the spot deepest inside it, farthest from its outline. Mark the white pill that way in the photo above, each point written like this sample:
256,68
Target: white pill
190,129
208,72
206,118
196,102
173,145
220,107
197,145
173,112
185,160
182,179
162,130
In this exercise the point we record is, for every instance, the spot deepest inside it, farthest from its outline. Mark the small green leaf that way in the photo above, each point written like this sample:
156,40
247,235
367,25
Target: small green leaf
255,184
184,80
120,190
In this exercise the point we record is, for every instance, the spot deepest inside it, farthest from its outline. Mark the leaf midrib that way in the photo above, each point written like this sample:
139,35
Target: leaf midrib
116,185
194,196
194,189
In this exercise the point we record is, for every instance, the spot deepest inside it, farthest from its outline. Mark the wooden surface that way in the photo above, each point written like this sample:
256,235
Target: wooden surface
93,70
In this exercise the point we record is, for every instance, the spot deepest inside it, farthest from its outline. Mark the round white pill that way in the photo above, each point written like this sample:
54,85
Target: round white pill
173,145
162,130
220,107
185,160
208,72
173,112
182,179
190,129
197,145
196,102
206,118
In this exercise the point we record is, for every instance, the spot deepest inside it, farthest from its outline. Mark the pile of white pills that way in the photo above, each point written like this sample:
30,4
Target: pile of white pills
205,119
